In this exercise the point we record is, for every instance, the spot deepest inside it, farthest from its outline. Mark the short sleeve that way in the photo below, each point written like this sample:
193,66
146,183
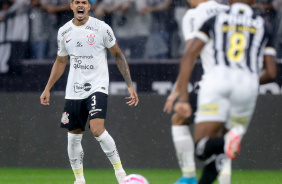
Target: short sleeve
204,32
188,25
61,46
108,36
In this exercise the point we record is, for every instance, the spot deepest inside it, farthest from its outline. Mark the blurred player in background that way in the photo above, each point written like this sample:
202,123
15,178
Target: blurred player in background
181,135
243,45
85,40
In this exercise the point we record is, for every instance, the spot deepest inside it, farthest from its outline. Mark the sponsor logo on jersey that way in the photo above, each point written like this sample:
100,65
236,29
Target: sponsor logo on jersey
78,88
110,35
66,31
92,29
67,41
65,118
79,44
77,63
82,57
91,40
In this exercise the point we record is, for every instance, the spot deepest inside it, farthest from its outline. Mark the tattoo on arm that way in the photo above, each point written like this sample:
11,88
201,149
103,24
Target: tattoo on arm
123,66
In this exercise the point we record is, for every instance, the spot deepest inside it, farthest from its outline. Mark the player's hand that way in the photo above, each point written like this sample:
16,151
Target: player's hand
133,99
45,98
183,109
169,102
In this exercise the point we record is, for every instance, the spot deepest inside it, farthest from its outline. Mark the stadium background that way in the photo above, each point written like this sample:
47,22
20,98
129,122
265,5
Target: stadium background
30,135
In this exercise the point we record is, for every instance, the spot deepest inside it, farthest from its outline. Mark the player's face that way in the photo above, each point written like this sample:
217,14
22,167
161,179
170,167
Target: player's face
80,9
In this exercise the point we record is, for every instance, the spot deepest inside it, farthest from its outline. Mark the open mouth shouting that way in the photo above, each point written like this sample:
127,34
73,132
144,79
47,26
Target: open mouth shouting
80,14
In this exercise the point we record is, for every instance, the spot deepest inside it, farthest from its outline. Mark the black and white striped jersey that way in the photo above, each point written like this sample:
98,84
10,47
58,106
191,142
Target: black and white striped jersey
240,38
192,22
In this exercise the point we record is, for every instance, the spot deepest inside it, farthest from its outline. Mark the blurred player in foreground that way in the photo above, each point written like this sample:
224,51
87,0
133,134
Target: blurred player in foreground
181,135
243,45
85,40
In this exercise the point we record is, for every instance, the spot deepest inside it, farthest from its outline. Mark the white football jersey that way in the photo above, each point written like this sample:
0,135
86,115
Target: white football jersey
192,22
86,45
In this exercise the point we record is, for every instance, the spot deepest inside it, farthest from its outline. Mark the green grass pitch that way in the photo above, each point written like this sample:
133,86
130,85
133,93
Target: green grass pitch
106,176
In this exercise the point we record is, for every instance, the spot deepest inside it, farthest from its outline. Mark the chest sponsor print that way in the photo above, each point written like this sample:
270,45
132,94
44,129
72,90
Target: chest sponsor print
77,63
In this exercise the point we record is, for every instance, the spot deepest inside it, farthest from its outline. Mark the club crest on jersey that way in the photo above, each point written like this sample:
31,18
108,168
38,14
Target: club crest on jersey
91,40
65,118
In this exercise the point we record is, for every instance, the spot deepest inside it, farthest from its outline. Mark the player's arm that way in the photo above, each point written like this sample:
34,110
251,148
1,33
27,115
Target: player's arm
182,107
125,72
175,92
56,72
188,61
171,98
270,72
188,34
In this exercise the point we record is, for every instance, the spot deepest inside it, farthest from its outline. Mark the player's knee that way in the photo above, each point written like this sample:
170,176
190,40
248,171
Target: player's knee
200,148
177,120
97,131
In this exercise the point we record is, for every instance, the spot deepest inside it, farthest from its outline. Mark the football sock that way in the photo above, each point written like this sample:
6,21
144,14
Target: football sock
109,147
212,151
224,176
184,147
76,154
206,147
209,173
212,167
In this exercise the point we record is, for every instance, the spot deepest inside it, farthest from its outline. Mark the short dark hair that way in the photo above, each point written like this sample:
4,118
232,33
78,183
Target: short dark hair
87,0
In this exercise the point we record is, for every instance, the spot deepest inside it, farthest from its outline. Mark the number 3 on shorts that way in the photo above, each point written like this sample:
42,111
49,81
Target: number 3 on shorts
94,100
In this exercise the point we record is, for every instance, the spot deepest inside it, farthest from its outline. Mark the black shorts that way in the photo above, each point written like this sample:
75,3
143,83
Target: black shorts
76,112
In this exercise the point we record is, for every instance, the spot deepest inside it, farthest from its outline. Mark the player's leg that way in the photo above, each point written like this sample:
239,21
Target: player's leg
209,148
212,113
74,119
243,100
108,145
76,154
97,108
184,146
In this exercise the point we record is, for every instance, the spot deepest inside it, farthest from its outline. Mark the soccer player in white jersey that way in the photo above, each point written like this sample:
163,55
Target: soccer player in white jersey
85,39
182,138
243,45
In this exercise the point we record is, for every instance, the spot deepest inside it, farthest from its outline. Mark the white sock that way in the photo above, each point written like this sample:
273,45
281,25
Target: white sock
184,147
109,147
76,154
224,176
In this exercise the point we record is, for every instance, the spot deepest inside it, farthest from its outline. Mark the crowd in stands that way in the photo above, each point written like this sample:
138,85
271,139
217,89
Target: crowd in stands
145,29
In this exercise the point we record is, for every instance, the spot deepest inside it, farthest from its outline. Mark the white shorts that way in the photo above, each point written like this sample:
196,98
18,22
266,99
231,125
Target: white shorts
227,95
